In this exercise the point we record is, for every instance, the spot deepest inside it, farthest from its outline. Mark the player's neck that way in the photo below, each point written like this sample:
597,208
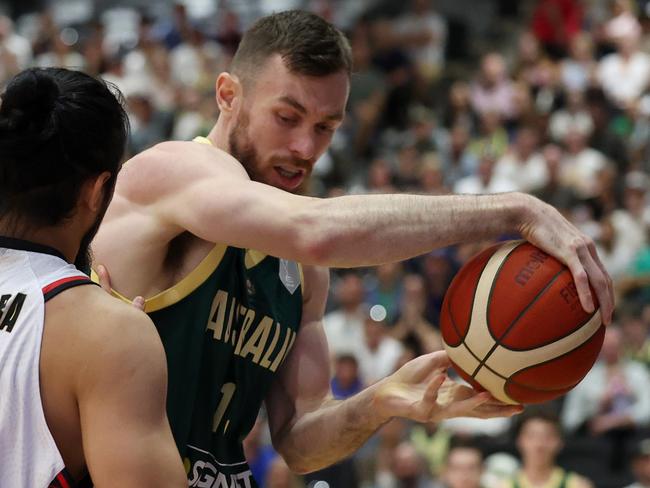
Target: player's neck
218,136
60,238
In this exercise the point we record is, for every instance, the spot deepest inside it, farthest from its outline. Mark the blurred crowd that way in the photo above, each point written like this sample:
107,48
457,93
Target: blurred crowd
549,97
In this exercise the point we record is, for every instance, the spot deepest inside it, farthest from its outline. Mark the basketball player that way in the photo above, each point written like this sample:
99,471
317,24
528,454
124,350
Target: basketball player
82,375
212,232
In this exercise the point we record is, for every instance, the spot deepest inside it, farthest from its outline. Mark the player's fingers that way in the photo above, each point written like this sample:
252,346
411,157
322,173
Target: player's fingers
609,285
468,407
138,302
599,282
439,360
104,278
491,410
581,280
431,393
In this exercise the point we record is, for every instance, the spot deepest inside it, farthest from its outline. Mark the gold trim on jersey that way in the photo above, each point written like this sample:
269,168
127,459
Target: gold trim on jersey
183,288
253,258
202,140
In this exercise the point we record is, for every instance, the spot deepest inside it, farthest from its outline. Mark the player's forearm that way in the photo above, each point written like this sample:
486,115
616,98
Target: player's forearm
333,432
367,230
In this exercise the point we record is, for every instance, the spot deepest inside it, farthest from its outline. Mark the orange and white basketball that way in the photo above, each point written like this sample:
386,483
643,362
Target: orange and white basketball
512,324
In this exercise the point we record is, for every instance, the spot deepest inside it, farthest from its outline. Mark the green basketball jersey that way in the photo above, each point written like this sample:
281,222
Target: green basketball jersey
226,329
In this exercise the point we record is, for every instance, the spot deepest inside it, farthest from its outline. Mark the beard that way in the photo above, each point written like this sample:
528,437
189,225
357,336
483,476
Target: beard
83,261
241,147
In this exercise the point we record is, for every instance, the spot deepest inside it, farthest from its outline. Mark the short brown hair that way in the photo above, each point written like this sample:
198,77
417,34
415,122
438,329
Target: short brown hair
308,45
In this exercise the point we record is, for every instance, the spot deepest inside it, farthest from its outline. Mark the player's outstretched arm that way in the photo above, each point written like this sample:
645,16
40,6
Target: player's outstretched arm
214,199
312,431
121,392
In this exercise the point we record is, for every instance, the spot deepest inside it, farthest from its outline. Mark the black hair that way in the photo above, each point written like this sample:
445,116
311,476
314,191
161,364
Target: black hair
58,128
308,45
461,442
542,412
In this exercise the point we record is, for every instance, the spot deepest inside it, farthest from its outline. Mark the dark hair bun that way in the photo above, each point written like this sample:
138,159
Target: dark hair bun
28,103
57,128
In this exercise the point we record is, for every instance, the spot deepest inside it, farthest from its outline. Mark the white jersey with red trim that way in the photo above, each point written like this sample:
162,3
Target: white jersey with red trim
30,274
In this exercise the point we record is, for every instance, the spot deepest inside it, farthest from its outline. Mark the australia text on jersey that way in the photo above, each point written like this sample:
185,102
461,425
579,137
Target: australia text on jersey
9,310
252,334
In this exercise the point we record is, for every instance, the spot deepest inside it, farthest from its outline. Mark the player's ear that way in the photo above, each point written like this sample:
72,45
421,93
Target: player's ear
92,191
228,89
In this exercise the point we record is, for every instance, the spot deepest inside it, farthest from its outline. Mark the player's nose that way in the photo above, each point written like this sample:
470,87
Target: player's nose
303,146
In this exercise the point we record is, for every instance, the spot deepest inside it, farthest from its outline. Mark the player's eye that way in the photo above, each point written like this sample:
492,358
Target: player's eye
285,120
325,129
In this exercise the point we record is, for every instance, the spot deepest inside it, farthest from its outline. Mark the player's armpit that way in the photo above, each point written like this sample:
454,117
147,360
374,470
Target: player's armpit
121,394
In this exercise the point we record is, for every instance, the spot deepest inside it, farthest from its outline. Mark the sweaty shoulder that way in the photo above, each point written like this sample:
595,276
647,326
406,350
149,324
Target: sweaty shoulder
96,327
168,166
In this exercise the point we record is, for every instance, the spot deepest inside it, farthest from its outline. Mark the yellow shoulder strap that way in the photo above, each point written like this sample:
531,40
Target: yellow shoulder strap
202,140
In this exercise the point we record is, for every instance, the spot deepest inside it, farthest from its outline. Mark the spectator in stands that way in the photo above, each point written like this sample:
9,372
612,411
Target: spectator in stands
635,337
613,400
424,34
523,167
623,21
492,90
379,354
574,116
555,192
386,289
431,175
412,326
463,467
578,70
346,381
581,164
624,75
492,140
539,441
344,326
458,111
555,23
484,181
15,50
456,158
407,470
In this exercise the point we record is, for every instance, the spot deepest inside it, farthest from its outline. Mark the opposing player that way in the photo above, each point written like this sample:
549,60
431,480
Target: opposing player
82,375
211,232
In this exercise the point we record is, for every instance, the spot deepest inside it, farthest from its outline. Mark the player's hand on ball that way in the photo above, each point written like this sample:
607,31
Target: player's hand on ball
421,391
545,227
105,283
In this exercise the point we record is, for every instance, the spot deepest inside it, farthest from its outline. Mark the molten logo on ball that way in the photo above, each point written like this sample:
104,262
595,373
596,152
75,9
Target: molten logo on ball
524,344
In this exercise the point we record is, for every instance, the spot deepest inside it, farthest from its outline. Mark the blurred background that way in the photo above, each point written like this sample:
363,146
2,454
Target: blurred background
549,97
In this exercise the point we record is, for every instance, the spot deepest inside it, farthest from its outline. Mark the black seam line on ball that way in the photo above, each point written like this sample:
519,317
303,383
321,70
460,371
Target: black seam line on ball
497,342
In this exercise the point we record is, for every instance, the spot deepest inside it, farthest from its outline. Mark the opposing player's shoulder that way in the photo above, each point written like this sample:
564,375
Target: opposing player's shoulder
167,166
103,327
189,155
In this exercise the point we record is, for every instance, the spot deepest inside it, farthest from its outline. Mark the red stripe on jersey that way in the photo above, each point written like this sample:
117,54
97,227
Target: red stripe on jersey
63,281
60,481
63,481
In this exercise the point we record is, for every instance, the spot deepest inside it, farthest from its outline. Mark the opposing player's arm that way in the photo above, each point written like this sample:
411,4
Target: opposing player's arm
121,391
312,431
214,199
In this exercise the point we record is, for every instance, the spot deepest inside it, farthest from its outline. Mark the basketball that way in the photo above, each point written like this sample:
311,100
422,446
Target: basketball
512,324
